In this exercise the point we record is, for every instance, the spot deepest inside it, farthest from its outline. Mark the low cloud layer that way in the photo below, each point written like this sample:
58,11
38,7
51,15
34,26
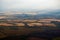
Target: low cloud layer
29,4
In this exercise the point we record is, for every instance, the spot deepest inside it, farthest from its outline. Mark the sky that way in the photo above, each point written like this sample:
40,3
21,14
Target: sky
6,5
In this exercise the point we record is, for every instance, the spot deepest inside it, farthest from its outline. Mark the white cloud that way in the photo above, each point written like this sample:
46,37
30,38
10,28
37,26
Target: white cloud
30,4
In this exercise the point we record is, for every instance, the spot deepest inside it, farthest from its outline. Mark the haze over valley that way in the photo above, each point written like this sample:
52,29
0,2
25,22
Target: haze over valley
23,19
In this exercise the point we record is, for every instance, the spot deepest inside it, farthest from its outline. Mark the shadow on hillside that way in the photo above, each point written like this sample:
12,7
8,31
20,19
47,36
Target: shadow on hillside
47,35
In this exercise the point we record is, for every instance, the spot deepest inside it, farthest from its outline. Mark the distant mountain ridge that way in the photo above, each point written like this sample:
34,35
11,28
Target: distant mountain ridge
40,15
52,14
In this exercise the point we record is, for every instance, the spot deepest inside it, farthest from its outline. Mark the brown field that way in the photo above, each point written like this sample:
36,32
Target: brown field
22,24
34,24
42,22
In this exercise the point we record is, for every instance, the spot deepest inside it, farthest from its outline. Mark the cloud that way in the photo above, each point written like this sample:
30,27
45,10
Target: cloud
30,4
